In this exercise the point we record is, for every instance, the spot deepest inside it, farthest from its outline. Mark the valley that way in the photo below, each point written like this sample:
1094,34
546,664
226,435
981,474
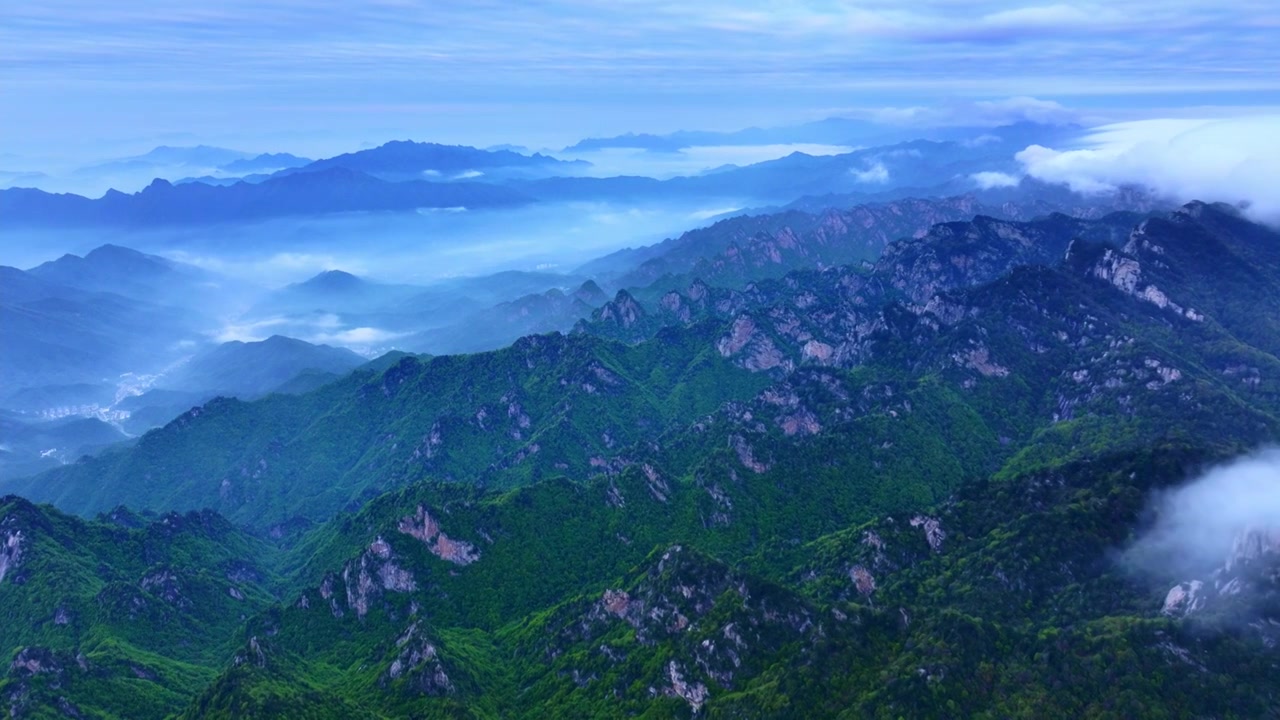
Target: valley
893,487
405,360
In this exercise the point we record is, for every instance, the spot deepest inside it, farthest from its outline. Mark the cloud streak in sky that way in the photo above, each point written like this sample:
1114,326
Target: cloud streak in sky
461,70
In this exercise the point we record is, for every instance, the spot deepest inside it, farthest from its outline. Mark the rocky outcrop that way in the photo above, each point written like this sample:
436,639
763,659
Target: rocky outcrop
416,666
933,532
253,654
372,574
739,335
165,584
863,580
422,526
979,359
709,617
755,247
616,602
1244,590
35,661
695,693
624,311
657,485
12,543
53,669
751,347
1184,598
747,456
1124,272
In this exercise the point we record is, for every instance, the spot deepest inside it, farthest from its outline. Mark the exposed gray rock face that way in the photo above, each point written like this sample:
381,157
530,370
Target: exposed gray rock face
695,693
34,661
422,526
1124,271
371,574
713,617
623,310
746,455
253,654
417,665
1243,590
752,347
1252,545
933,532
979,359
11,548
166,585
863,580
1184,598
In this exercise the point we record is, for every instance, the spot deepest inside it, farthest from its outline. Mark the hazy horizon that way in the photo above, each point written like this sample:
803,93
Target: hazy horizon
324,78
1177,99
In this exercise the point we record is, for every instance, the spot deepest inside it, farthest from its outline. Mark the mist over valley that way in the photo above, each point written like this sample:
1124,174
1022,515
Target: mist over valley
559,360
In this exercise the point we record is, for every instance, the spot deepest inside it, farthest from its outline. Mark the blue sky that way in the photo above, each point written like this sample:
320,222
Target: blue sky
317,76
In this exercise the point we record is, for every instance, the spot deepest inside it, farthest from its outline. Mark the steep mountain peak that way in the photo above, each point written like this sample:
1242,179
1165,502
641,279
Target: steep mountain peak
590,293
333,281
317,174
101,264
252,369
624,310
410,159
119,253
286,341
266,162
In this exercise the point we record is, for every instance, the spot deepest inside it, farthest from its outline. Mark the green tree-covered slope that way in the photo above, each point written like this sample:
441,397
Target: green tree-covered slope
902,491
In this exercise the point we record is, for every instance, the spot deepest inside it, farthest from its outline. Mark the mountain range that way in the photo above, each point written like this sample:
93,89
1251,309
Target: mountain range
835,131
405,176
136,366
331,190
408,160
893,488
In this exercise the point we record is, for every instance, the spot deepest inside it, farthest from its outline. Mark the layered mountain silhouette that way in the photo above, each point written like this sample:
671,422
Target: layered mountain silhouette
896,488
331,190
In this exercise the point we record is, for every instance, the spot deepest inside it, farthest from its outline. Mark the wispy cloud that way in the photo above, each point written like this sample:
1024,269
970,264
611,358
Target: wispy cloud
875,173
1232,160
990,179
980,113
1196,524
459,70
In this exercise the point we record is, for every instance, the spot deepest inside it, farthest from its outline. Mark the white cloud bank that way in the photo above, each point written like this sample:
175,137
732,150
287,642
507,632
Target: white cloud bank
980,113
1234,160
876,174
991,179
1196,524
319,329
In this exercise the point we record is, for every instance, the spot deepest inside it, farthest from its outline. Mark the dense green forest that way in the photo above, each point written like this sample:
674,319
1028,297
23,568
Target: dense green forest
902,488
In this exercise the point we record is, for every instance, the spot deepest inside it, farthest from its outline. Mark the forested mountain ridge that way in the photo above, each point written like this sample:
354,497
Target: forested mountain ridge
768,245
905,497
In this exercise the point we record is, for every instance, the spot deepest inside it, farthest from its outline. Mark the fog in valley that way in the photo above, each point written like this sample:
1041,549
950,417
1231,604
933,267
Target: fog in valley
181,273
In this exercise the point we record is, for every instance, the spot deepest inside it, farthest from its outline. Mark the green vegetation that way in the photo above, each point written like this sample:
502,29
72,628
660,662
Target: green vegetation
918,518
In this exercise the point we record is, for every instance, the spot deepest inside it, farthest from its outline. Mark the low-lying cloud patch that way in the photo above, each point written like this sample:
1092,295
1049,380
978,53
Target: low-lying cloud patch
356,337
1232,160
1195,525
695,159
988,113
315,328
877,174
991,179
